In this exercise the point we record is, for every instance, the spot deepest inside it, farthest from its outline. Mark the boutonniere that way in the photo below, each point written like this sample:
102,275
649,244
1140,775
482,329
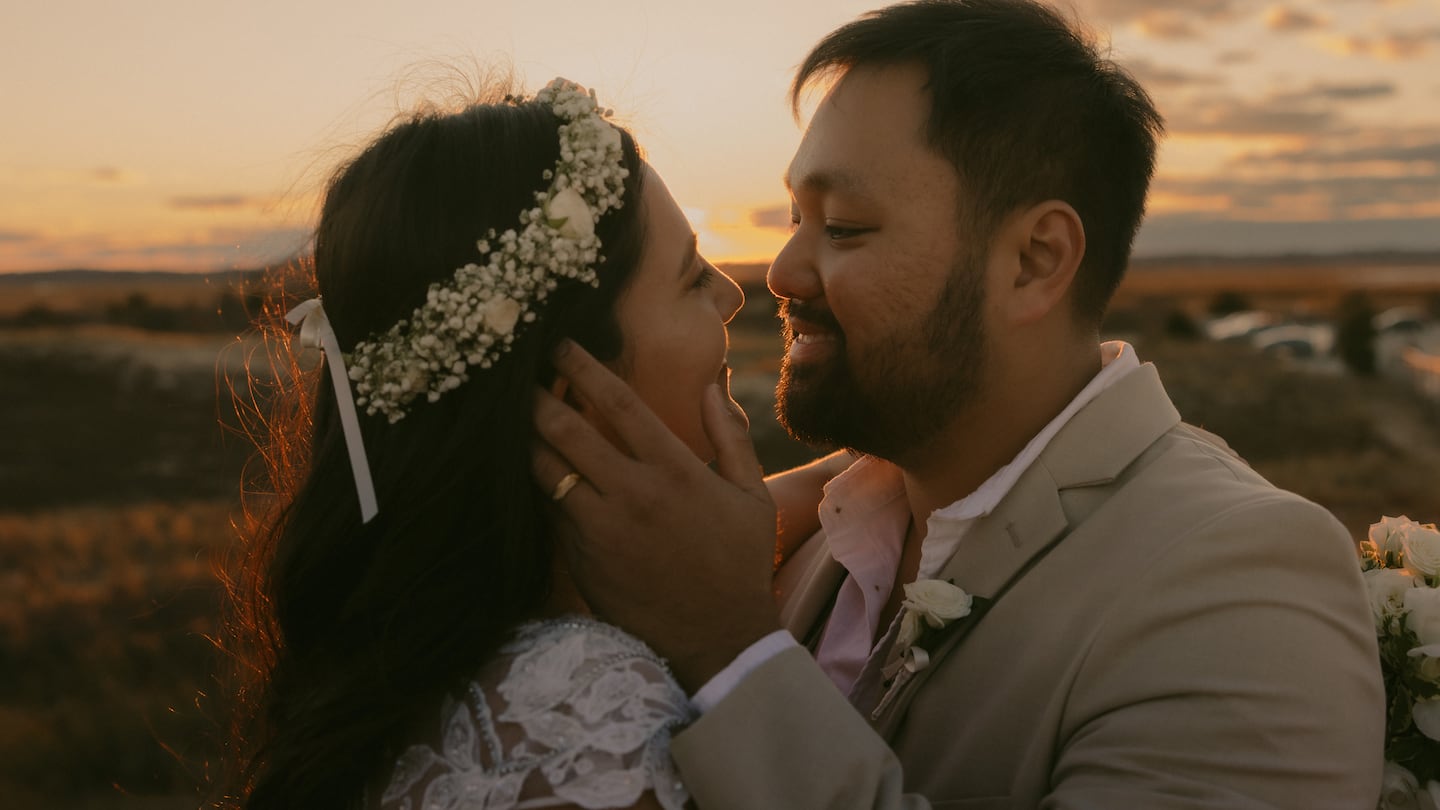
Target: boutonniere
929,606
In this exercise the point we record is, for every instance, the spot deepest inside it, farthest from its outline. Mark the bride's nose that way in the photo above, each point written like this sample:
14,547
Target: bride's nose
729,298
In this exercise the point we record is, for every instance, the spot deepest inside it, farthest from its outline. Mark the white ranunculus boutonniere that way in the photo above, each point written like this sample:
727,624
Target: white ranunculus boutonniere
1401,560
930,604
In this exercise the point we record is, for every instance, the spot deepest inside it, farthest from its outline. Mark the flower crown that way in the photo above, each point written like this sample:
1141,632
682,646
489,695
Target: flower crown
472,319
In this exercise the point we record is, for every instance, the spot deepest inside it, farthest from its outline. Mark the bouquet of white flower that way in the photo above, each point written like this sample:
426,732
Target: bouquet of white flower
1401,561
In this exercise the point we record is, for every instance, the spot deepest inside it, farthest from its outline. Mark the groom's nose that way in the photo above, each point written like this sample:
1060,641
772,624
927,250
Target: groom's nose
793,273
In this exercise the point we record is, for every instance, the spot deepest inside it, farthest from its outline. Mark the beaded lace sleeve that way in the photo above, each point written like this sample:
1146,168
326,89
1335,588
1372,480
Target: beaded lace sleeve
572,712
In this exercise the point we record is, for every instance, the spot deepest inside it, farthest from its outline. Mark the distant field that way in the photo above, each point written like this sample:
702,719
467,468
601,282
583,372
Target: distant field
118,486
1324,278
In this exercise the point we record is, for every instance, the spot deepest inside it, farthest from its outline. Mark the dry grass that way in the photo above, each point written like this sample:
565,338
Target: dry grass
106,540
107,663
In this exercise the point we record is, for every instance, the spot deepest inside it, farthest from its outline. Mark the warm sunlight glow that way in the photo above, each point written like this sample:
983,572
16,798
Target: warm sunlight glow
200,155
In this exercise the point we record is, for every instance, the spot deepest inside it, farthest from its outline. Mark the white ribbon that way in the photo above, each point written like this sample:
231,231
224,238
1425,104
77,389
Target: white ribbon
315,333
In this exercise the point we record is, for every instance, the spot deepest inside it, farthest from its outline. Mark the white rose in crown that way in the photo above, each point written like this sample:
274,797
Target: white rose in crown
1387,588
568,212
930,603
1422,548
500,315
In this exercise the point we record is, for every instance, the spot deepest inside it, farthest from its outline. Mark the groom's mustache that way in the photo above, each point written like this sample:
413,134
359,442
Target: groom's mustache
810,313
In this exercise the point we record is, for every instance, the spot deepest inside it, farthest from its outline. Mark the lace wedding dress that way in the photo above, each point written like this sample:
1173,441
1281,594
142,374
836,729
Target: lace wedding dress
572,711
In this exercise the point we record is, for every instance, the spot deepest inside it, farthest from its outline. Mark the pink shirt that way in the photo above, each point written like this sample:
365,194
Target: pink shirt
865,516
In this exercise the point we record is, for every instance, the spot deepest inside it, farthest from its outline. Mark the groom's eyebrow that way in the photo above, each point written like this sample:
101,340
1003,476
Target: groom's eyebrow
826,180
692,251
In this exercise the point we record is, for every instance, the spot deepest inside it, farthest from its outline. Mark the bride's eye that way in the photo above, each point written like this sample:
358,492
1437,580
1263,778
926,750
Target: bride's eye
705,279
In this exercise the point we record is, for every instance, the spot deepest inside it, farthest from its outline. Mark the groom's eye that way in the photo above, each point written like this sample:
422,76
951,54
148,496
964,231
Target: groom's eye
839,232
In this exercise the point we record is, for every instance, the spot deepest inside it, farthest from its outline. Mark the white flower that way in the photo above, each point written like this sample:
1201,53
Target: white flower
1398,788
1426,714
1387,534
1422,548
935,603
500,315
569,213
1387,588
609,138
1422,614
471,319
1433,789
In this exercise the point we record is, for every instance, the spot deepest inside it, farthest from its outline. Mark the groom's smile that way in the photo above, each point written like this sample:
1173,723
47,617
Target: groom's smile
812,335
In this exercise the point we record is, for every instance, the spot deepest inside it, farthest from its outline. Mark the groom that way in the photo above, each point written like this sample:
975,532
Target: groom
1150,624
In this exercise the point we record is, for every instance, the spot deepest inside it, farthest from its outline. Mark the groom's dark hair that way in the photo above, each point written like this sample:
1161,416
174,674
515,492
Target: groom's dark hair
1026,109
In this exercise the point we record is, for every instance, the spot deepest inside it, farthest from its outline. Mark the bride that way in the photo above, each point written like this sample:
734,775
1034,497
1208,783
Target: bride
408,635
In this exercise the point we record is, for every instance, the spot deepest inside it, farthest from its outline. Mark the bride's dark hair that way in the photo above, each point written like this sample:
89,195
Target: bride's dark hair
347,634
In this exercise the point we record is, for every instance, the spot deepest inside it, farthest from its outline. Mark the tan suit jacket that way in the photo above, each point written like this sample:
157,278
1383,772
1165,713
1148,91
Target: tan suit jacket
1160,628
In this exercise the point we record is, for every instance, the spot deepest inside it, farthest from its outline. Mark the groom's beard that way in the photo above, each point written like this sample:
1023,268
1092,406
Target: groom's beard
890,400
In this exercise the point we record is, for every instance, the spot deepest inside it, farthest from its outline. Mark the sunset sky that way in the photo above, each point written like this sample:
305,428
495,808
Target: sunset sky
195,135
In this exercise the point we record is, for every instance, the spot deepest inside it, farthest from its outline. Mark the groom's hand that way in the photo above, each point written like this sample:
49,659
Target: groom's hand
664,547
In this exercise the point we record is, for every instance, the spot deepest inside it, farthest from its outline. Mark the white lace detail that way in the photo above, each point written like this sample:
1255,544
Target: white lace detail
571,712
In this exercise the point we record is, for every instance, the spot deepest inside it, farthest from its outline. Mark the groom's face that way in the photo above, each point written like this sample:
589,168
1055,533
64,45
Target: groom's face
882,290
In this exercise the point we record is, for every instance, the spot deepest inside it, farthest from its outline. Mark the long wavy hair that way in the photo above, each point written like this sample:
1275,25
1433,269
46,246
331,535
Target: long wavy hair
343,634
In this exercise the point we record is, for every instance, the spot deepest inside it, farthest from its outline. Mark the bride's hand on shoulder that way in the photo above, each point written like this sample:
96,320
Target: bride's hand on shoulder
662,546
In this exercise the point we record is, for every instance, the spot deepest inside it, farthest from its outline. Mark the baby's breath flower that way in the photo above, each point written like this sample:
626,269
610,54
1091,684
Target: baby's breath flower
472,319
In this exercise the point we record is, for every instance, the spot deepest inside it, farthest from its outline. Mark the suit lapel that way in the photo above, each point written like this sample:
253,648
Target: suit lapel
1092,449
806,586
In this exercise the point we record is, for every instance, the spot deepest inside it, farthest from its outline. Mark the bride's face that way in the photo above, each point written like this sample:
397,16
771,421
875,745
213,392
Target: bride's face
672,318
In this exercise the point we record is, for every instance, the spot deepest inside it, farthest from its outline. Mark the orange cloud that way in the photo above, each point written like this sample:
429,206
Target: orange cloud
221,202
1166,25
1288,20
775,217
1394,46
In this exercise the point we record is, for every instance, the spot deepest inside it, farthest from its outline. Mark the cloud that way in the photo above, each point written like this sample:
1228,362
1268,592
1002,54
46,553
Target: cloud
1130,10
15,237
1393,46
1167,25
1336,91
1237,57
213,249
1423,148
1377,173
1178,20
1289,20
109,174
1277,197
1233,116
1311,110
776,217
221,202
1151,74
